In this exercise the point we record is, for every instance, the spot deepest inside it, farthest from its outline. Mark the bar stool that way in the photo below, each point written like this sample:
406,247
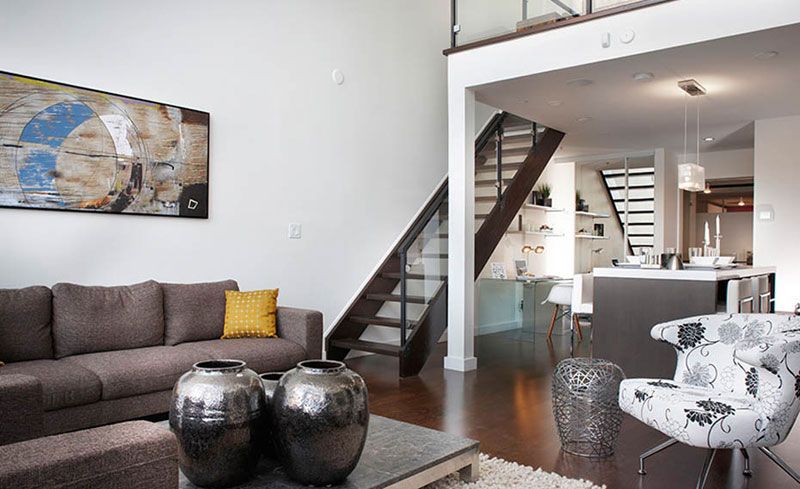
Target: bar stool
762,296
561,298
740,297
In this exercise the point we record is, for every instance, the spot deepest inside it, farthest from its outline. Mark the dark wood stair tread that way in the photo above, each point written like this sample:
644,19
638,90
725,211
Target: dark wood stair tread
380,321
491,168
492,183
414,276
414,299
368,346
522,151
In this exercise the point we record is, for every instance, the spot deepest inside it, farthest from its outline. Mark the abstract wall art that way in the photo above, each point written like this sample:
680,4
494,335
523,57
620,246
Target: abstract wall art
69,148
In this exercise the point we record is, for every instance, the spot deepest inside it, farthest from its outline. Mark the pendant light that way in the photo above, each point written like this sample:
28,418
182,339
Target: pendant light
741,202
691,176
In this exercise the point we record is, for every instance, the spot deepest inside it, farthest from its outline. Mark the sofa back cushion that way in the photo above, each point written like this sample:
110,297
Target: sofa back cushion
25,332
92,319
195,312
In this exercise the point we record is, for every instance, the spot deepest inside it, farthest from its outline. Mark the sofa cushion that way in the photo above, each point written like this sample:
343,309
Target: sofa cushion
25,324
63,384
195,312
93,319
127,373
260,354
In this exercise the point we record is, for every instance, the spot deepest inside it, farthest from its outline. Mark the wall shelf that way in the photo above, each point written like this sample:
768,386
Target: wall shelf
590,236
537,233
593,215
543,208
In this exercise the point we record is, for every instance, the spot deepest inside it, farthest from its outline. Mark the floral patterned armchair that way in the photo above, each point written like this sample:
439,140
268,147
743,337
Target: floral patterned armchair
736,385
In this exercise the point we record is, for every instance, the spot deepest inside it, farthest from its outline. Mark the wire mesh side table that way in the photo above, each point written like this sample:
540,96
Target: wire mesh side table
585,406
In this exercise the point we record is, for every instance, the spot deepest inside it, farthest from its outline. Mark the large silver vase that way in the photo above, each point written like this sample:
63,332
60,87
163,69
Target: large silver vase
320,414
217,413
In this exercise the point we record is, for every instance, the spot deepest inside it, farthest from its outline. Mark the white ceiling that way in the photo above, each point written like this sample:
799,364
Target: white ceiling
630,115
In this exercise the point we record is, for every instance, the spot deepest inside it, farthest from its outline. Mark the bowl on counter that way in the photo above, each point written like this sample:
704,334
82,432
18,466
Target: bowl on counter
707,261
725,260
712,261
634,259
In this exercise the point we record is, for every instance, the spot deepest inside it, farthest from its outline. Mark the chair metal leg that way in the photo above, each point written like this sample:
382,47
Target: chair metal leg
780,463
652,452
701,481
747,472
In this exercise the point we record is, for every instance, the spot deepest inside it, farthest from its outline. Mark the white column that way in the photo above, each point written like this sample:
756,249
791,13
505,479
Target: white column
461,231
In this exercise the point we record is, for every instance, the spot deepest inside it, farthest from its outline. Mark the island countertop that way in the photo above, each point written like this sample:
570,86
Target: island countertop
698,274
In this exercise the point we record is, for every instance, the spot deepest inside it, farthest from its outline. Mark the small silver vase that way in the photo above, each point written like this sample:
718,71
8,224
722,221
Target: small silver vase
217,414
270,381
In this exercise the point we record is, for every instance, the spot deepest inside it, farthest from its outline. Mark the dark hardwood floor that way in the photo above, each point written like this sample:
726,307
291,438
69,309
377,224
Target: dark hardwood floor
505,405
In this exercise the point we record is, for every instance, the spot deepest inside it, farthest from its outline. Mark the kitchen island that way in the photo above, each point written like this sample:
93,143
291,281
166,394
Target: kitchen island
628,302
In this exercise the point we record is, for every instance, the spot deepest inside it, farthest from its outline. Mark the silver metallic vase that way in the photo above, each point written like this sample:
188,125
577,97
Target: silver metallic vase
270,381
320,414
217,414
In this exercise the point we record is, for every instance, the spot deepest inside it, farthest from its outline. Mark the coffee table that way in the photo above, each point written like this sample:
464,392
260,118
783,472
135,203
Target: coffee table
397,455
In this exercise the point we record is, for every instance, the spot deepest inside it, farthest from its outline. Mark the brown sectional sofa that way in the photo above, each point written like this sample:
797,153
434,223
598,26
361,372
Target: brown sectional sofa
77,356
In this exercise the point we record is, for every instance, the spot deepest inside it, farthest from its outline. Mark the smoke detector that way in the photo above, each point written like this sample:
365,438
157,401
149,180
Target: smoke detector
692,87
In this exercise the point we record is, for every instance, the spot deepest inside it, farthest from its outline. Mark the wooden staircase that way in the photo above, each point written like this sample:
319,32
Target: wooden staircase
408,292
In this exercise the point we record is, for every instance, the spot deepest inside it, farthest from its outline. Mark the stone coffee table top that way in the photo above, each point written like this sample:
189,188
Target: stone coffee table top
397,455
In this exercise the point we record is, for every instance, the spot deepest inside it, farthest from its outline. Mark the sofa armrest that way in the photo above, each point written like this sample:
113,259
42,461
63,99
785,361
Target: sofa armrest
301,326
21,408
126,455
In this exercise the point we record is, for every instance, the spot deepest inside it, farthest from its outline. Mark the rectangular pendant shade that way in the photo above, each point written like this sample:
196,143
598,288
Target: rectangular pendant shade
691,177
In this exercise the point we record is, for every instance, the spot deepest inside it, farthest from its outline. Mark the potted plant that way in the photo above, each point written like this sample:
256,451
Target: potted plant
580,204
544,191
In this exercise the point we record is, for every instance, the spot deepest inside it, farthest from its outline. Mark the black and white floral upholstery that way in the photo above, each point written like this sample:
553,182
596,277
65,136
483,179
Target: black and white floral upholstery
736,385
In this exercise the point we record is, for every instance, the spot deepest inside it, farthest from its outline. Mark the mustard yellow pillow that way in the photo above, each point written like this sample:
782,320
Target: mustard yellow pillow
250,314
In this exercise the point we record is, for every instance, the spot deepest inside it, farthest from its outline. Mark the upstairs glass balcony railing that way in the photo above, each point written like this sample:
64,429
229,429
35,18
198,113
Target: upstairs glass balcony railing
479,20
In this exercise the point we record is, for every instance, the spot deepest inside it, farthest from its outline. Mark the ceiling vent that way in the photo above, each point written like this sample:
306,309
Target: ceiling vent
692,87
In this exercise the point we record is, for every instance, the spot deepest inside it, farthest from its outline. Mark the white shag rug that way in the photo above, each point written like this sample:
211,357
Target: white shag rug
497,473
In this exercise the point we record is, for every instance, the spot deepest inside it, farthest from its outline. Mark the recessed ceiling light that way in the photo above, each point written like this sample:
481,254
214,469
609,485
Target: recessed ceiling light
643,76
765,55
554,103
579,82
708,139
583,119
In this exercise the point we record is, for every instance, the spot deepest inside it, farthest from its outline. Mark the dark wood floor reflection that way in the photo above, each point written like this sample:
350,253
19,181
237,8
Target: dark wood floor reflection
505,405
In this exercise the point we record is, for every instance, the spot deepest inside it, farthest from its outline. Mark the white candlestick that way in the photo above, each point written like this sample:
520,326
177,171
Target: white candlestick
718,236
718,225
707,235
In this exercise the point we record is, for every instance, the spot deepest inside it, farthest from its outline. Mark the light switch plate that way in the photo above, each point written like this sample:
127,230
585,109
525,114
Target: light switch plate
295,230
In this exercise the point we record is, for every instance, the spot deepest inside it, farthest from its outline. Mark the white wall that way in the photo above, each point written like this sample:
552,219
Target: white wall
351,163
736,163
736,229
777,171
